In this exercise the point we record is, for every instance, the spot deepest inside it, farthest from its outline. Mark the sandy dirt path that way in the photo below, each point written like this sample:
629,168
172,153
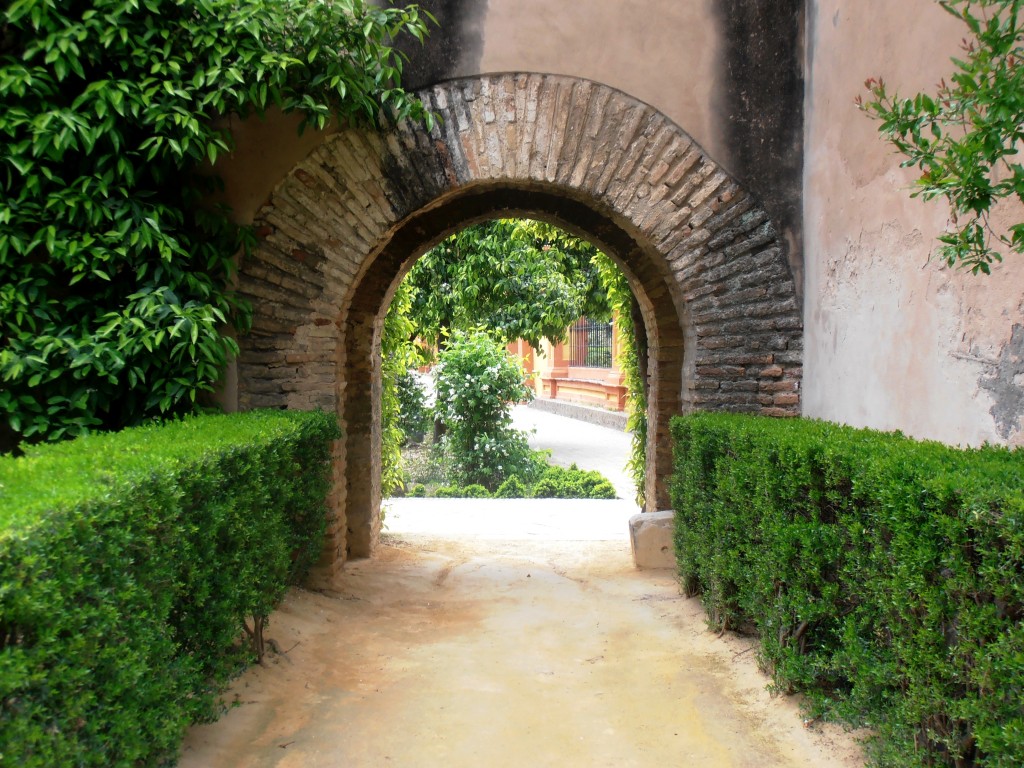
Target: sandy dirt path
519,654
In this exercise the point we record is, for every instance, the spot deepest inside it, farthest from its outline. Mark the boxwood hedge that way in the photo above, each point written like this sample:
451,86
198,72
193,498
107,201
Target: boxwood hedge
128,564
884,576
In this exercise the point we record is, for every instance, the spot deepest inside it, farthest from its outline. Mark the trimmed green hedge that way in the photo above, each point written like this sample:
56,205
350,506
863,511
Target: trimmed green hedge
884,576
572,483
553,482
128,564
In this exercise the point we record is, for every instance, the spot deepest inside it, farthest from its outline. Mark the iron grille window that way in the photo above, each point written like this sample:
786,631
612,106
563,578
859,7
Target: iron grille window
590,344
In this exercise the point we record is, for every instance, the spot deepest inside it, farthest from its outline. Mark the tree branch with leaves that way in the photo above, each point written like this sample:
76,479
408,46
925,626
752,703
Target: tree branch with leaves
115,277
965,138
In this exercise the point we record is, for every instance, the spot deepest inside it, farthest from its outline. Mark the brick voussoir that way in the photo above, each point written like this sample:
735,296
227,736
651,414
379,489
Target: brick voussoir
253,287
305,290
749,263
750,309
647,149
603,117
578,108
733,224
761,236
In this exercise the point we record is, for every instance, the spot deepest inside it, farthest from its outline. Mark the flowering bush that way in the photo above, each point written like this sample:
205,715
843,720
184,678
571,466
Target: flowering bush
477,382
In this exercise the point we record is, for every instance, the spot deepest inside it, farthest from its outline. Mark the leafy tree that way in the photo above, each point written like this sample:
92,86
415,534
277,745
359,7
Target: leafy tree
519,279
114,276
965,137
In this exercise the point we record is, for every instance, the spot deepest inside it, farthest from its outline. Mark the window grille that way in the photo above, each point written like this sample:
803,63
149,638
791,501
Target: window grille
590,344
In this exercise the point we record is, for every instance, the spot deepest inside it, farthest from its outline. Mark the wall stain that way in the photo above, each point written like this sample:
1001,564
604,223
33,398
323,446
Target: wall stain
759,107
1006,384
454,47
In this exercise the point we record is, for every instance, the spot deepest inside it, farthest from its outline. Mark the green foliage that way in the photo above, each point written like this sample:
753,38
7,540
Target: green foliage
524,279
414,415
965,137
129,565
471,491
622,302
540,480
572,483
474,491
512,488
477,382
114,276
518,278
882,575
398,388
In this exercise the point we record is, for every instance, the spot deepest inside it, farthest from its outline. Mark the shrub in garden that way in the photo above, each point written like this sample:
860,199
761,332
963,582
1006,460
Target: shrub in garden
418,491
554,483
474,491
477,382
132,563
512,488
572,483
882,575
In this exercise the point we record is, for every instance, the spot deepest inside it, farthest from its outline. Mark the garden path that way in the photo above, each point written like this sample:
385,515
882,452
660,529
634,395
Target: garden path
506,633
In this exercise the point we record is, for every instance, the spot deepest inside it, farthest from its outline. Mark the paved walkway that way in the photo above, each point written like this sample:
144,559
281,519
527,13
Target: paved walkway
508,634
453,651
587,445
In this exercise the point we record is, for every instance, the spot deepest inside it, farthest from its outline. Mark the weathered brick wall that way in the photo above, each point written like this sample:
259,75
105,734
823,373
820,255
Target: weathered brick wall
706,263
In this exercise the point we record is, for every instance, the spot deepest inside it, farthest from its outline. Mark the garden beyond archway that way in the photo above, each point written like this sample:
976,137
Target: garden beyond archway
340,231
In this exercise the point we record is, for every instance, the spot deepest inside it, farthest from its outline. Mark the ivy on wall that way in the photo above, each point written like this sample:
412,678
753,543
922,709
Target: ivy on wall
114,276
630,362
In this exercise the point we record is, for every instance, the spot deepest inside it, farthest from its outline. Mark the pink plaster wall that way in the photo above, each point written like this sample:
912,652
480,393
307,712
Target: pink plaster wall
662,52
893,340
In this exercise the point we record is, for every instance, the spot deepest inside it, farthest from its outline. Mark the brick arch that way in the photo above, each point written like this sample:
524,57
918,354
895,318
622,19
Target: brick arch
703,258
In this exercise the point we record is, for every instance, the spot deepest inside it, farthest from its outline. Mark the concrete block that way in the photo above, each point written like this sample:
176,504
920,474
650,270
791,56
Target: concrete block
650,537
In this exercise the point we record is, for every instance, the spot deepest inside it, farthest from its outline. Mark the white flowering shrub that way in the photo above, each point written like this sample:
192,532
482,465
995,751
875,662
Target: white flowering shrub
477,383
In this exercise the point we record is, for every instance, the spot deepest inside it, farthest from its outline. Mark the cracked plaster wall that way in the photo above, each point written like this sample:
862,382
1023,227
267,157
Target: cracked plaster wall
894,340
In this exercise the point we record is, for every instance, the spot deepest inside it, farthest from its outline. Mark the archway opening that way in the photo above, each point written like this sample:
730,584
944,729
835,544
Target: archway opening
708,269
503,313
662,323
